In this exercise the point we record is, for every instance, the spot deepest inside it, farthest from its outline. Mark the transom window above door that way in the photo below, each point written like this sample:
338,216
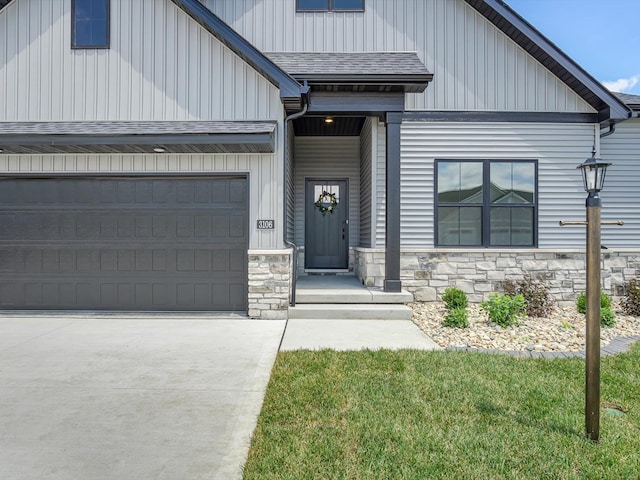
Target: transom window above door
487,203
330,5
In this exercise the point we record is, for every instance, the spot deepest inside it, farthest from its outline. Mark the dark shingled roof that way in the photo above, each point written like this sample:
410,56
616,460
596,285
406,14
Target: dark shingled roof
631,100
4,3
133,128
137,137
369,63
403,70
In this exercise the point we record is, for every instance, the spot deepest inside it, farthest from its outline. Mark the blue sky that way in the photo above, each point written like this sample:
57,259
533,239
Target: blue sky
602,36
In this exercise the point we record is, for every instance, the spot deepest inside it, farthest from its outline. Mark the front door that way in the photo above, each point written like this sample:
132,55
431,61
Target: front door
327,224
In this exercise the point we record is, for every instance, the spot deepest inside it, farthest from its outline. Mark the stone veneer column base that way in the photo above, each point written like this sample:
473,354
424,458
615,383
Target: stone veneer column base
427,273
269,281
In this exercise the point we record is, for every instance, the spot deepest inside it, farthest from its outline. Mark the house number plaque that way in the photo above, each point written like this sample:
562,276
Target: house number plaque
266,224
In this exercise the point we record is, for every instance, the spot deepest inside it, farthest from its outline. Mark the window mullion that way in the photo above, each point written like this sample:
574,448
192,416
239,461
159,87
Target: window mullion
486,203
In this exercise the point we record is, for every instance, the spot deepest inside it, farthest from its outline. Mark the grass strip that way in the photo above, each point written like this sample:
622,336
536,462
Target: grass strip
430,415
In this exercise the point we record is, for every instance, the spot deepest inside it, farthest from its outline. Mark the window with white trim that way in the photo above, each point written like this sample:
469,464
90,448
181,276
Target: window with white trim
486,203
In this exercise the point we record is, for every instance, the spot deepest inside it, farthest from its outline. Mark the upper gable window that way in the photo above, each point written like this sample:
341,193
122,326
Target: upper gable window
330,5
90,23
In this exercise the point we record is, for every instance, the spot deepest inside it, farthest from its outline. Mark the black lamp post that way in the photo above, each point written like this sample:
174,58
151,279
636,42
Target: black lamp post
593,174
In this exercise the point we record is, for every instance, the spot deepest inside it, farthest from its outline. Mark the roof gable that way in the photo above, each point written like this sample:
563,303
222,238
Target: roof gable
554,59
290,90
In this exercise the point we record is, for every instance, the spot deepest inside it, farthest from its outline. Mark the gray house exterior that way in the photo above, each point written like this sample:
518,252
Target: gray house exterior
203,154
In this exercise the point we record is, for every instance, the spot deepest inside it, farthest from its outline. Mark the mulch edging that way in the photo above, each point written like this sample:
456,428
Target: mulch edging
617,345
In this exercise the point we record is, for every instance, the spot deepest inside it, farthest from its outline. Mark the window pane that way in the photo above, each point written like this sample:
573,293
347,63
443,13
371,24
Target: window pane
348,4
82,10
459,226
99,10
98,33
319,191
313,4
511,226
512,182
460,182
83,33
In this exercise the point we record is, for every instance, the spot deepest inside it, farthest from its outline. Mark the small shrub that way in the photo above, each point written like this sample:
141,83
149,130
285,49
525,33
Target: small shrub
456,318
607,317
455,298
536,295
631,302
503,309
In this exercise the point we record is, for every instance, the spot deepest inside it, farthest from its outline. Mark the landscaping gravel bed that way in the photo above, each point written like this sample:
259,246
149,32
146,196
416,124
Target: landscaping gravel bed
562,331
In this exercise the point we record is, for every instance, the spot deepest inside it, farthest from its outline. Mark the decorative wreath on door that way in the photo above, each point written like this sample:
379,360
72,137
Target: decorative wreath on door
327,202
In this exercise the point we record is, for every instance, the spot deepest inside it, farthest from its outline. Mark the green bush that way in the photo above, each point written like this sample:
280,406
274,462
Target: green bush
631,302
607,317
536,295
456,318
504,310
455,298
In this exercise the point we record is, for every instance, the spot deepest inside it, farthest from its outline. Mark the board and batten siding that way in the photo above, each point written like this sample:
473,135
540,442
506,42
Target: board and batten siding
328,158
557,147
161,65
475,65
264,175
621,194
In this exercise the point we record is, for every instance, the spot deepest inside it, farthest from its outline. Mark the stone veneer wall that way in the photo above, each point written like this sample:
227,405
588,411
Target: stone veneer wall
427,273
269,280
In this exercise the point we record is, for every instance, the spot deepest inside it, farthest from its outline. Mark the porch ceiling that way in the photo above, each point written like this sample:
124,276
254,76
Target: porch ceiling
316,126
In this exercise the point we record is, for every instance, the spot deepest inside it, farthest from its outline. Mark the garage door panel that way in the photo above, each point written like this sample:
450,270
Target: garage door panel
124,244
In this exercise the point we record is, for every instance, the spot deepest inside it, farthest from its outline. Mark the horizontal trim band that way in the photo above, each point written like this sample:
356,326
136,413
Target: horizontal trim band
491,116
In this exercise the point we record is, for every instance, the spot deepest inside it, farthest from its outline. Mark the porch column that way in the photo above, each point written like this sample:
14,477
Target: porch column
392,282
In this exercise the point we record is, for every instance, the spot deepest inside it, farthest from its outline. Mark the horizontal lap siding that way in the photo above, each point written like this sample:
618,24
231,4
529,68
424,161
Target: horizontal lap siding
381,175
265,178
475,66
161,65
621,195
328,157
558,149
366,165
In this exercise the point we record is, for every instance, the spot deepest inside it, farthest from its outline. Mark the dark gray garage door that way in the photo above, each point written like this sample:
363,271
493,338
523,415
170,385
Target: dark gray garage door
124,243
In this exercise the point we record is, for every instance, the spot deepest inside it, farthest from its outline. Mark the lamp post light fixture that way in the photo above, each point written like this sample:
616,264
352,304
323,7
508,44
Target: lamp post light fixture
593,175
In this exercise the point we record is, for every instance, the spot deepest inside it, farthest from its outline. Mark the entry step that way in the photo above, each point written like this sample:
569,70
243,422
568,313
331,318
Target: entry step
351,296
353,311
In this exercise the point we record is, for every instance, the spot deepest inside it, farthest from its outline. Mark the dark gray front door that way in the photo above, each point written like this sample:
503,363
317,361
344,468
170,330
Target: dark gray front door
136,243
326,224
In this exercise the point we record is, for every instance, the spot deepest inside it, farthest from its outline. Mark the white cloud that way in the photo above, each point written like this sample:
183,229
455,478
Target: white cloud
623,85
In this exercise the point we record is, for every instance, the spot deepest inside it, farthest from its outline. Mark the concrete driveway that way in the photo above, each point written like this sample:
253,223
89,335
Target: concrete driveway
137,397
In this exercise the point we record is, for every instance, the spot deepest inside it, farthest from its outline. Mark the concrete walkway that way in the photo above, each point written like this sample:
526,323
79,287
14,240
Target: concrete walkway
342,334
140,397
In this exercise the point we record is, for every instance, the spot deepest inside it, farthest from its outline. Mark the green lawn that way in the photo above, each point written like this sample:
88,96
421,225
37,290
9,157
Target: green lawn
454,415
